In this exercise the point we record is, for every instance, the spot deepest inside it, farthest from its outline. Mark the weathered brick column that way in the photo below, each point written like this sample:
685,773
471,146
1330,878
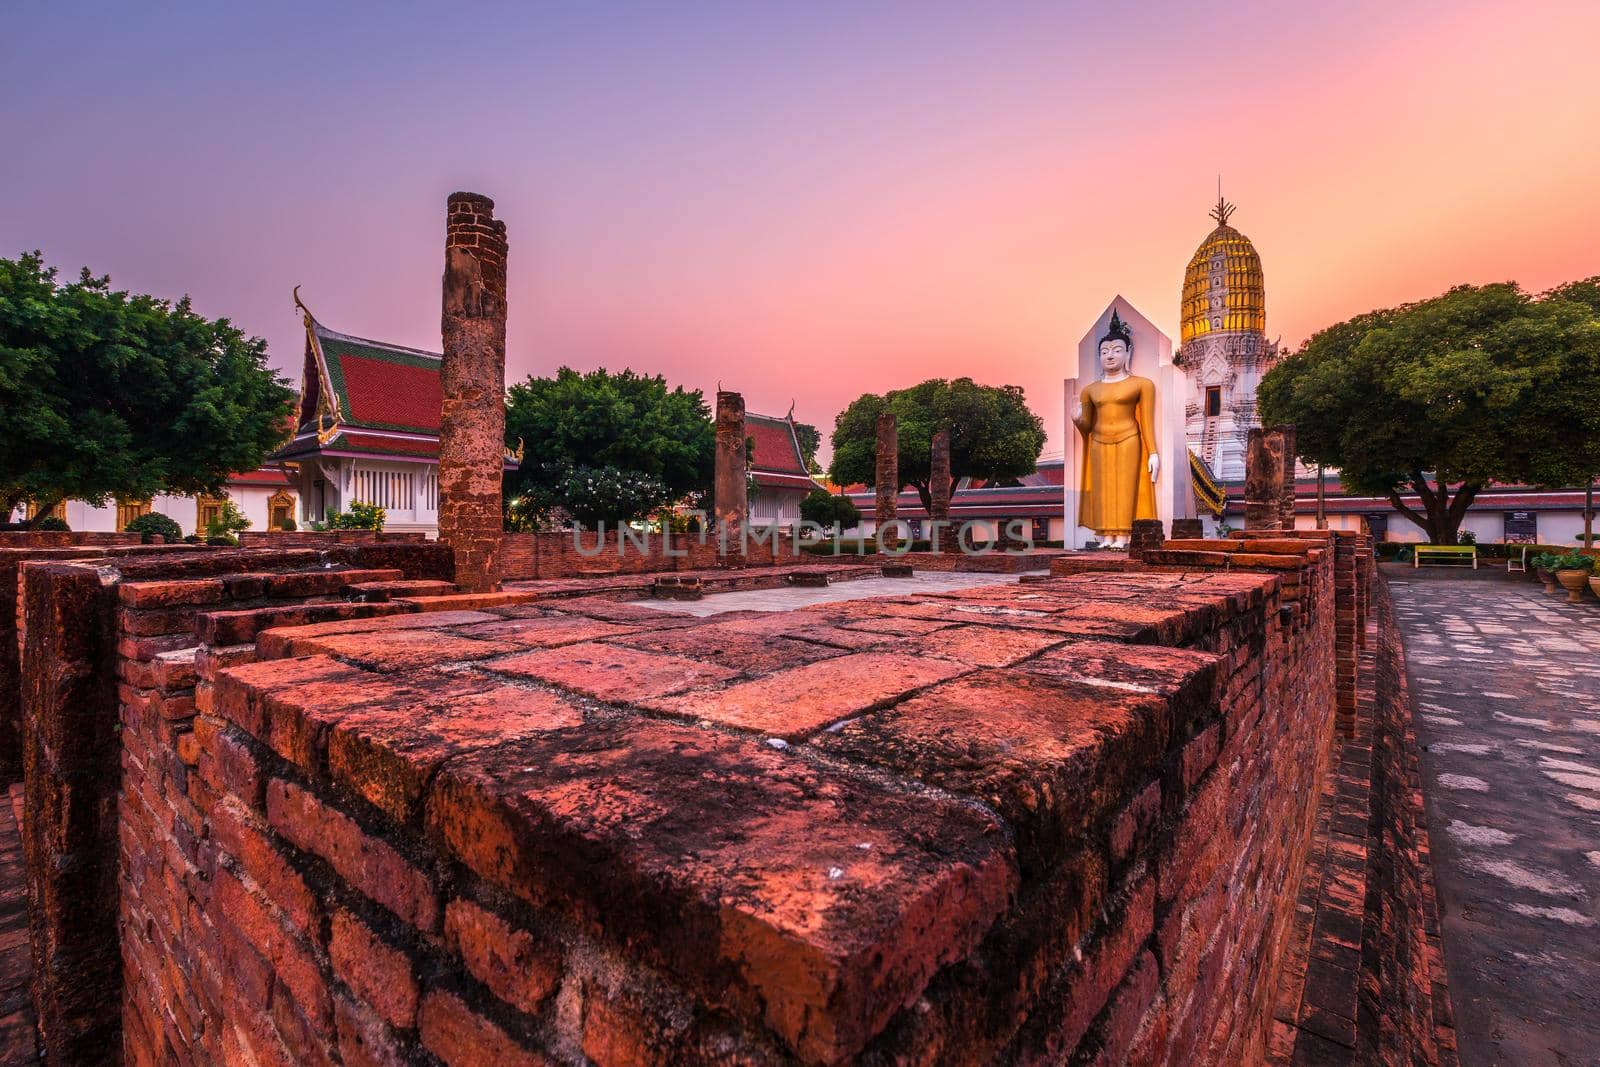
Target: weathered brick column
1148,534
1287,489
939,480
1263,480
472,426
887,476
732,501
1187,529
940,484
71,753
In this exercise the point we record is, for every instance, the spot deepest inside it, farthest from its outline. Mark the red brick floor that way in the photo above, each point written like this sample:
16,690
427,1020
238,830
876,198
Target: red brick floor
18,1032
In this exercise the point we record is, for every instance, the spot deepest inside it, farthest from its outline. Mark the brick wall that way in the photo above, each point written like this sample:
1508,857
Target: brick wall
1294,556
64,539
1019,823
544,556
107,698
324,538
1403,1005
15,550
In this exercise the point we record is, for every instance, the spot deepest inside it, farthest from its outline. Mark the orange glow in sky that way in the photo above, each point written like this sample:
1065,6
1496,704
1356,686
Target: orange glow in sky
811,202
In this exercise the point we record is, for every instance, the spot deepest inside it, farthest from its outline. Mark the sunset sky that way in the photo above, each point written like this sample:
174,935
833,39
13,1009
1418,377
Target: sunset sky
803,201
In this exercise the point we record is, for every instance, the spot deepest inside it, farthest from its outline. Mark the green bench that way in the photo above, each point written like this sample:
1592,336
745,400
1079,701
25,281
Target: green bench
1445,554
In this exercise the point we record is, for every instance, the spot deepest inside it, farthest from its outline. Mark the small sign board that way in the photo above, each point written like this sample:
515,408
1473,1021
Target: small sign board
1522,527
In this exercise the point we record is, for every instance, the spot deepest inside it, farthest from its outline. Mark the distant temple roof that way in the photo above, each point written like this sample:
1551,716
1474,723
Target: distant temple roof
360,397
264,477
776,461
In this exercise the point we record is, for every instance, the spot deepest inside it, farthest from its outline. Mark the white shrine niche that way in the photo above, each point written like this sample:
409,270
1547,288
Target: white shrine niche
1152,358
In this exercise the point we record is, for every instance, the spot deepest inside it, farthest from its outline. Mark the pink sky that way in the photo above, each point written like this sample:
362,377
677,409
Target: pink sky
803,204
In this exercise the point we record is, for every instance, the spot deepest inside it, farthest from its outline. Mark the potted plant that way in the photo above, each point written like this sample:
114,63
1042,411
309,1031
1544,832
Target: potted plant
1541,565
1572,571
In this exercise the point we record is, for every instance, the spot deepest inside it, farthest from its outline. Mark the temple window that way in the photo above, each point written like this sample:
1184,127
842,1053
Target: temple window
57,510
128,510
208,509
1213,400
280,510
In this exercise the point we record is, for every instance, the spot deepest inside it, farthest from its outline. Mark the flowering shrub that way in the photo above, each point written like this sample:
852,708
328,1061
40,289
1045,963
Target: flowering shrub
591,495
361,516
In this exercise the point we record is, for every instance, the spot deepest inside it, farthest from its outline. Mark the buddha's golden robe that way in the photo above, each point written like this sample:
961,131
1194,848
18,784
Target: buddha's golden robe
1118,427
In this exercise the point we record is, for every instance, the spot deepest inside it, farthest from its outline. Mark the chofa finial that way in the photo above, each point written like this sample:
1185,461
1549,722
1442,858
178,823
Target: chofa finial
302,306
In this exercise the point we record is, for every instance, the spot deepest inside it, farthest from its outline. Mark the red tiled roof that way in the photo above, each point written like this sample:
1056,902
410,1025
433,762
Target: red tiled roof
380,386
784,481
389,394
775,445
1017,501
265,476
775,461
1046,474
400,446
374,387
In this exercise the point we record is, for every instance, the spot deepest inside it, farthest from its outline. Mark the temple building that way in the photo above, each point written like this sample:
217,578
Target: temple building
265,497
777,469
367,429
1224,349
1035,498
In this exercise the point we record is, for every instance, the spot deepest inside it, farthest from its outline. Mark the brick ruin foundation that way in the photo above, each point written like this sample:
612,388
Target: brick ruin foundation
352,803
315,806
545,556
397,855
101,654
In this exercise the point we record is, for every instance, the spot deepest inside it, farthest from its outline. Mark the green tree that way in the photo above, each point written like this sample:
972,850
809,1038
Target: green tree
810,439
993,435
606,447
825,509
111,394
1442,397
229,521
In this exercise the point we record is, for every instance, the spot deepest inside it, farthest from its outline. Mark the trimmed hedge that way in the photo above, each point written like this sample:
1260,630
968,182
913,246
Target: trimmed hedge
153,524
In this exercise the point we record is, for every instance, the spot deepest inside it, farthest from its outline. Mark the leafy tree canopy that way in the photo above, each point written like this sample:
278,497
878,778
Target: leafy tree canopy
107,394
825,509
993,434
1442,397
606,447
810,439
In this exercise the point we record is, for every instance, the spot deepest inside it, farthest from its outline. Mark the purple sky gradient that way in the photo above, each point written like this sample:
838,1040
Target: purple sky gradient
804,202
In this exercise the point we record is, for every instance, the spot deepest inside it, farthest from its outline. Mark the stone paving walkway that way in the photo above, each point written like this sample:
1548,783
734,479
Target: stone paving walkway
788,598
1506,680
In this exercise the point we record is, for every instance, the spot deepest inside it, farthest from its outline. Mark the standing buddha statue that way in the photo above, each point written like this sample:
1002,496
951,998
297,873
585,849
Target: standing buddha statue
1116,416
